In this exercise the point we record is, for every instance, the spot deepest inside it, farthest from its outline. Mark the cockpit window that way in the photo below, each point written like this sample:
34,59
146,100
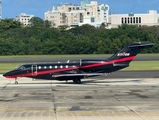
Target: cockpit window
22,67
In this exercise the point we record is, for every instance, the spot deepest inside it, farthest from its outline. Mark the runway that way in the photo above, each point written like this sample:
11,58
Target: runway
43,59
95,99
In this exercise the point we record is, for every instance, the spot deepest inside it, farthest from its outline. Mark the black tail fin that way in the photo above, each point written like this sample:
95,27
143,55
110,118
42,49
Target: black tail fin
128,53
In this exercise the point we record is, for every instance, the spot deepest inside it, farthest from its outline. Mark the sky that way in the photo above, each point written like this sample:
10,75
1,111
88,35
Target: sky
12,8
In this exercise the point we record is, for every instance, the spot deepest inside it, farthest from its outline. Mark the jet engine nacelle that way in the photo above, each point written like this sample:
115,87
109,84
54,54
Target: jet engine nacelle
84,62
91,65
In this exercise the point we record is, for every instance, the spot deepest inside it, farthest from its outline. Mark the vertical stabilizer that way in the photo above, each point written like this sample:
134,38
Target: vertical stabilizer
128,53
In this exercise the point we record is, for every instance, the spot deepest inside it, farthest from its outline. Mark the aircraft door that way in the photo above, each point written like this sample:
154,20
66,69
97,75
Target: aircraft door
34,70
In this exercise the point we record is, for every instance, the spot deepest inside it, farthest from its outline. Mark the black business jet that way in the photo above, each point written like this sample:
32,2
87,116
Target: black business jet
78,70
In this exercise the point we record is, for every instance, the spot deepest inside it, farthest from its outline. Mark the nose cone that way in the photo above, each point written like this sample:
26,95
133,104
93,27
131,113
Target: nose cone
6,75
9,75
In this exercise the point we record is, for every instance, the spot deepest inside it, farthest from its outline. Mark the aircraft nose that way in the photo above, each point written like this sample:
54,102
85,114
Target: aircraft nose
5,74
9,75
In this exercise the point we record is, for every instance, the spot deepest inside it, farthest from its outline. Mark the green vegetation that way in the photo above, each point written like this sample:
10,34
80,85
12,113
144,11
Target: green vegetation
41,39
4,67
143,65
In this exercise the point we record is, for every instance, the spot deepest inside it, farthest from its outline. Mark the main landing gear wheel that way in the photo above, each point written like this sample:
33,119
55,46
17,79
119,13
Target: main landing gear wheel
77,81
16,82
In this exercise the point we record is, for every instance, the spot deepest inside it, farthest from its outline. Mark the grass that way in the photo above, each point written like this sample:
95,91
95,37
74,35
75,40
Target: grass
143,65
134,65
4,67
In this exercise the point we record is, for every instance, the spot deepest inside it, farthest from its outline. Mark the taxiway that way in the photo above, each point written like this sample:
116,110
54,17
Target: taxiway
95,99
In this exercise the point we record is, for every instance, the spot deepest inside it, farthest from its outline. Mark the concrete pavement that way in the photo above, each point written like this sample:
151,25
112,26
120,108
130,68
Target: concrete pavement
95,99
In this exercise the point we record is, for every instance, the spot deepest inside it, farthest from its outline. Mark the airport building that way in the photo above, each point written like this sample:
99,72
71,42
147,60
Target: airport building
24,18
149,19
67,14
0,9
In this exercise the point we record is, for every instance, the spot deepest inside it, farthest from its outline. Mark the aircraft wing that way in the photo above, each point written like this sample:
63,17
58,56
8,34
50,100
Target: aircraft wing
80,74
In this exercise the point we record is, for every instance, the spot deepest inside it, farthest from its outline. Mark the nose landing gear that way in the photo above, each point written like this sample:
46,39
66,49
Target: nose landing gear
77,81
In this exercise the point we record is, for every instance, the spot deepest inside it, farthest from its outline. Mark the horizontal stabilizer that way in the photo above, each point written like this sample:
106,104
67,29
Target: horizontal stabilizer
143,45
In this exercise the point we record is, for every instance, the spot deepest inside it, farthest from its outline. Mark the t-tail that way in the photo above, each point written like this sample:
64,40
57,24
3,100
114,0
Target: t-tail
122,58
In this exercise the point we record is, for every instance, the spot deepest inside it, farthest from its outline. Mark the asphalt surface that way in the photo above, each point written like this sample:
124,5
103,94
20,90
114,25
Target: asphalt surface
95,99
42,59
134,74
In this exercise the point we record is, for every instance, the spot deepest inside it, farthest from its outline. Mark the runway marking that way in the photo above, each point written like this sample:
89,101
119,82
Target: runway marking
5,86
89,113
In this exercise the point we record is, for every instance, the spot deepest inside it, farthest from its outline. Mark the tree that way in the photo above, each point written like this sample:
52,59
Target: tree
47,24
103,26
36,22
85,29
63,27
86,39
10,23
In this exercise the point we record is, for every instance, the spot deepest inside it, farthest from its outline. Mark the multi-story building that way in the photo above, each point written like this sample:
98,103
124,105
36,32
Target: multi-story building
0,9
96,14
24,18
151,18
67,14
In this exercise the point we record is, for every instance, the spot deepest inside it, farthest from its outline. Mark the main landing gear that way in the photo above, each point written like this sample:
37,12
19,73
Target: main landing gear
77,81
16,82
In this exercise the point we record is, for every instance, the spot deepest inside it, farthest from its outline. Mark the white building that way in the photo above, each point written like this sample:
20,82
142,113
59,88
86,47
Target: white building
24,18
151,18
67,14
96,14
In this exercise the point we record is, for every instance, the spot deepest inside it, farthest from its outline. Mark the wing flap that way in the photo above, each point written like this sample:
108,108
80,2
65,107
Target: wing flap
82,74
124,65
